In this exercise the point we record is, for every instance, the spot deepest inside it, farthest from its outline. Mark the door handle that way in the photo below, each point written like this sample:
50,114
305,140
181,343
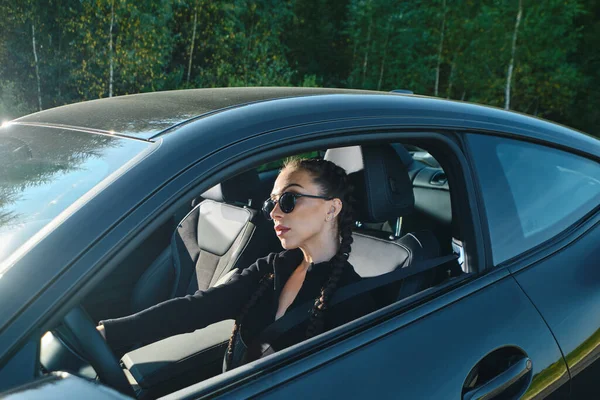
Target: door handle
438,179
501,382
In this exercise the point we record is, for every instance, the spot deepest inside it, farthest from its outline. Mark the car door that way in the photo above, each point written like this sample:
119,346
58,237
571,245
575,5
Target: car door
430,353
551,199
479,337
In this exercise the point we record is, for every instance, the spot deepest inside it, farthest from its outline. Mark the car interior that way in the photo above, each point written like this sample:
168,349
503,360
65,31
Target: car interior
223,231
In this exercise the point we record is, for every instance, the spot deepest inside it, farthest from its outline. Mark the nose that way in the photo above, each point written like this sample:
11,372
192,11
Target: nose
276,212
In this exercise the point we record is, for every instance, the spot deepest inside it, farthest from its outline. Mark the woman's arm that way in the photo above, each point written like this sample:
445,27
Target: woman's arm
188,313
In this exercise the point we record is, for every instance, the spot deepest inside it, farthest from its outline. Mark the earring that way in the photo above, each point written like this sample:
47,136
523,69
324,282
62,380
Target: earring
328,218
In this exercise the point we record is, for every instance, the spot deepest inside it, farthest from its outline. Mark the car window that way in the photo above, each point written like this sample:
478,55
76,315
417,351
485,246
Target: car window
43,171
419,154
277,164
531,192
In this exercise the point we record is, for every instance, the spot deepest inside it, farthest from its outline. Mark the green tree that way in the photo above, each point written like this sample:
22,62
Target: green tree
140,48
318,44
394,45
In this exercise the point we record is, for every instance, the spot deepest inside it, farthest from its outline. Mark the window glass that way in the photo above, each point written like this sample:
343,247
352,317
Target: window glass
277,164
44,170
531,192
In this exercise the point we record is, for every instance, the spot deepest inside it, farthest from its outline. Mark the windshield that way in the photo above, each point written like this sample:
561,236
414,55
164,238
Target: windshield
45,170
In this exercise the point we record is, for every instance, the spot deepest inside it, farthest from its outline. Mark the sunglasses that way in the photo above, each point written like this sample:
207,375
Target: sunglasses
287,202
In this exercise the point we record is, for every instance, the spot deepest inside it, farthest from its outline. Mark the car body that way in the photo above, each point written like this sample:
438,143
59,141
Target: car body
529,292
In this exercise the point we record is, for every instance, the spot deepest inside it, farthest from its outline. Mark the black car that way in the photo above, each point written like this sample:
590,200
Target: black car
478,232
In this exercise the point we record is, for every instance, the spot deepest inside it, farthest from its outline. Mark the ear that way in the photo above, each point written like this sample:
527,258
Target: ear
336,208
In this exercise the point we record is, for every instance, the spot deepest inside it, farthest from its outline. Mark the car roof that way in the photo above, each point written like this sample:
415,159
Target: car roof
147,114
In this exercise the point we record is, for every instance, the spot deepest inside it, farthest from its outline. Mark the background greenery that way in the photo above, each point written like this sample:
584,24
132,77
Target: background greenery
55,52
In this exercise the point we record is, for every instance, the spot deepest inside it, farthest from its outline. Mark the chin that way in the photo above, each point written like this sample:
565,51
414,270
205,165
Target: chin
288,244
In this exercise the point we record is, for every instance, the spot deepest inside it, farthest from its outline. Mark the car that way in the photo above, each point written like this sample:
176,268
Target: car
478,232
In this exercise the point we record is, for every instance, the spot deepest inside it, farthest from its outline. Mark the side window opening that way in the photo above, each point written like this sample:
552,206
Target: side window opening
399,241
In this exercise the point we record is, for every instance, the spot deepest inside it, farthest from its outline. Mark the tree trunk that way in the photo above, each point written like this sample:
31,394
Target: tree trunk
37,70
351,79
59,65
110,49
249,48
192,46
451,78
440,49
385,47
366,59
512,57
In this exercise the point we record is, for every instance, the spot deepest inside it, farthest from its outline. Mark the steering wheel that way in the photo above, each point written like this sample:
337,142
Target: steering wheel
97,351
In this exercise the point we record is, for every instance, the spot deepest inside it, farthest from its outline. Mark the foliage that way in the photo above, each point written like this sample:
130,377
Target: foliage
12,102
459,49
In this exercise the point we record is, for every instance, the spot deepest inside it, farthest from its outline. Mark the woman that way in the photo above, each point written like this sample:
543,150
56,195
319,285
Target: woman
310,208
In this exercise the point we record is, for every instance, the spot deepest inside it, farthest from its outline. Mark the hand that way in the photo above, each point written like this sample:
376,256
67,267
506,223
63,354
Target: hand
100,328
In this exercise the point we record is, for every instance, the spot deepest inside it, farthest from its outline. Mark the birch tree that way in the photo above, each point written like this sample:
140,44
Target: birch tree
192,44
37,70
121,47
367,49
544,72
385,51
440,49
512,57
110,48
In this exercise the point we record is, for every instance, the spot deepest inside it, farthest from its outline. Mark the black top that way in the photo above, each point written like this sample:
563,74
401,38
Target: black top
205,307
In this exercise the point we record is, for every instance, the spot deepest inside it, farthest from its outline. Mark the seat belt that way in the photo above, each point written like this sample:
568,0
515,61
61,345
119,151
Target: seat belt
301,313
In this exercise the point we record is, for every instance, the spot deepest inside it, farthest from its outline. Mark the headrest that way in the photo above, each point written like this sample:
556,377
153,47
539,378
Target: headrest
241,189
382,186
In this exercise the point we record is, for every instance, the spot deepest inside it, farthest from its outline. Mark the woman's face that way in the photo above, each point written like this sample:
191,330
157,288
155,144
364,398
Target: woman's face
312,220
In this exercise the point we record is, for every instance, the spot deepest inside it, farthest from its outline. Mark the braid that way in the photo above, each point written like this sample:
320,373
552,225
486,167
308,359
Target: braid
264,283
316,323
334,181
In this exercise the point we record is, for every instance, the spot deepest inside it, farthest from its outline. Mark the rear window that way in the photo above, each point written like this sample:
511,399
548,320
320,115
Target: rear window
531,192
45,170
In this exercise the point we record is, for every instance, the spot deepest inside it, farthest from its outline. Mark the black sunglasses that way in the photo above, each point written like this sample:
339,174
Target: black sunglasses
287,202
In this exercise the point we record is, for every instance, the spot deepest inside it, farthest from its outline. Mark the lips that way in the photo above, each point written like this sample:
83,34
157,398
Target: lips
280,230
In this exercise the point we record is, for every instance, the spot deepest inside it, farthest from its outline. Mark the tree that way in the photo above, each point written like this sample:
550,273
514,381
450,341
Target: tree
526,55
119,46
393,30
584,111
547,81
317,43
512,57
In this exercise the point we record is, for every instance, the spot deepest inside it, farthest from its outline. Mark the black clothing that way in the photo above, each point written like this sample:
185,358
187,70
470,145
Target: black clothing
192,312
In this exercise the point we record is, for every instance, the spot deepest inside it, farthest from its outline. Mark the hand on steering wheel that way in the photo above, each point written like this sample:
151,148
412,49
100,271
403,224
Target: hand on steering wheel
97,351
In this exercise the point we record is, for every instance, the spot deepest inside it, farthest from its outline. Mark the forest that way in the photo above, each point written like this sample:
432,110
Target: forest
539,57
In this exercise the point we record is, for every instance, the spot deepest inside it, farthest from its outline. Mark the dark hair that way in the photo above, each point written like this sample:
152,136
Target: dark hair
333,182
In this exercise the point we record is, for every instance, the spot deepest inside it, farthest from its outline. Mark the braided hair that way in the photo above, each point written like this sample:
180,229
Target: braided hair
334,183
264,283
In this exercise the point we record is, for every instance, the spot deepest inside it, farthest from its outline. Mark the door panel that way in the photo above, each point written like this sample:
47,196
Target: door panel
565,287
431,357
